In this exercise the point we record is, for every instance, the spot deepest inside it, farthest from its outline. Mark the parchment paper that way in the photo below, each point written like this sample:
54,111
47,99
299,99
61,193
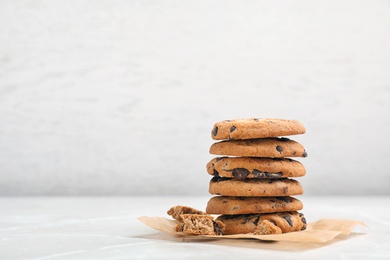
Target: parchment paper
321,231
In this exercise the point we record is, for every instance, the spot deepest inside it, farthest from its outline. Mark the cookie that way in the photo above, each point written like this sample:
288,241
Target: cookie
263,224
251,205
194,224
254,187
266,147
176,211
253,128
251,167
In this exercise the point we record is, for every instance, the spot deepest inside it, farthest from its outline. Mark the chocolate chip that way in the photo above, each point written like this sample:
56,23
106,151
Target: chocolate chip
240,173
256,221
285,189
304,224
273,222
232,129
215,173
304,154
259,174
215,131
219,158
217,229
218,179
235,208
285,199
247,218
181,228
289,221
284,139
279,149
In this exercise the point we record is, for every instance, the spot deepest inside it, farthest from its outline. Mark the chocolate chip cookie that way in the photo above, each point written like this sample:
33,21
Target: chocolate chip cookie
243,129
251,167
254,187
252,205
266,147
263,224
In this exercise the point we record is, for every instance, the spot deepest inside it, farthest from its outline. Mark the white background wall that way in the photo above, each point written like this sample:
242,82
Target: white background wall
119,97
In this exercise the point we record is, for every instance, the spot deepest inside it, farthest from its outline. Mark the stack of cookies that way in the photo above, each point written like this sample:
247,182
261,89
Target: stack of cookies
252,178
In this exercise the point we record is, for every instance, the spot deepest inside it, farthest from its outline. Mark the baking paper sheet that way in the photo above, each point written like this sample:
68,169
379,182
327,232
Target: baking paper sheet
321,231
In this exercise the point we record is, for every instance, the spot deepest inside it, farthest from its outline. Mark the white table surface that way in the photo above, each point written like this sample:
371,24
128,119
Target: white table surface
107,227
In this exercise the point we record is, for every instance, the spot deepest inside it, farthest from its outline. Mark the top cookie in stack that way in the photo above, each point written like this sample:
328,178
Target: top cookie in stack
253,176
243,129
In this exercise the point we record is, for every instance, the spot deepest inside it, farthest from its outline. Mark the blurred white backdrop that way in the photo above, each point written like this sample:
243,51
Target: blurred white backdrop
119,97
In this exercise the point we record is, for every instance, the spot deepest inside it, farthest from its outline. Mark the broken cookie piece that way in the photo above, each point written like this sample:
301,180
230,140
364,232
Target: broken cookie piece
266,227
176,211
195,224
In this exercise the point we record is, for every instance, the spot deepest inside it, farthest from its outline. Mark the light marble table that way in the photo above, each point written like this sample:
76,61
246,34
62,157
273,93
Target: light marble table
107,227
